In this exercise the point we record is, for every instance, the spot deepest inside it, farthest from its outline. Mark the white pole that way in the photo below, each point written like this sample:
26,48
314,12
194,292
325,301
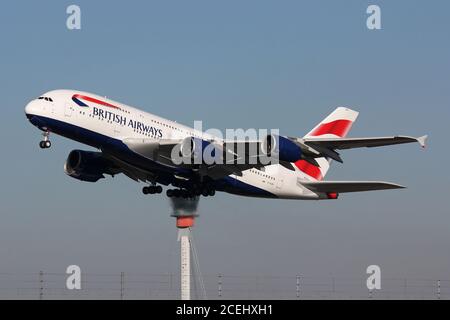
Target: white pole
185,250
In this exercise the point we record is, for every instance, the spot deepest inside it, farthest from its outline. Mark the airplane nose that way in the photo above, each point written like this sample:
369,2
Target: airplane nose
30,108
32,112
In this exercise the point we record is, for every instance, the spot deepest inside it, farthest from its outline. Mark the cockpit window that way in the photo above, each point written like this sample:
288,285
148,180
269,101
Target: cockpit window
46,99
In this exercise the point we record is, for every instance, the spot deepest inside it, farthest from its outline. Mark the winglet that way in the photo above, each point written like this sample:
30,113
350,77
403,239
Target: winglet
422,140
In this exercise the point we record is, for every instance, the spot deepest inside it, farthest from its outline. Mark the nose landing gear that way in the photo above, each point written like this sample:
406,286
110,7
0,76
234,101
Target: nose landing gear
45,144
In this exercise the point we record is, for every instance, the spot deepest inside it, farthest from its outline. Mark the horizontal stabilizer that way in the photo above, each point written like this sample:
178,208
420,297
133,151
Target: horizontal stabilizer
349,186
350,143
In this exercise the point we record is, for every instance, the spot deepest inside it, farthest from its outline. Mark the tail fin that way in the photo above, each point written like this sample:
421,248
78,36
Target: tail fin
335,125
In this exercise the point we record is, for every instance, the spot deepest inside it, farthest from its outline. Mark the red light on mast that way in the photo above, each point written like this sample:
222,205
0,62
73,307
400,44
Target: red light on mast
185,221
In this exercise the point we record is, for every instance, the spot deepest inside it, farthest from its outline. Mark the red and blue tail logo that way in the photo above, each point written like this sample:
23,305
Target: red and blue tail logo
79,100
335,125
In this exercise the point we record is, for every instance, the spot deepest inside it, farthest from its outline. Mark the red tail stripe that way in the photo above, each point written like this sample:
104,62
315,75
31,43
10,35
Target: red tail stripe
310,169
103,103
339,128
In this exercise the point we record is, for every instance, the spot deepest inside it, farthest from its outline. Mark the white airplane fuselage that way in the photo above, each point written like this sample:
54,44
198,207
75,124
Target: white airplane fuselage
104,124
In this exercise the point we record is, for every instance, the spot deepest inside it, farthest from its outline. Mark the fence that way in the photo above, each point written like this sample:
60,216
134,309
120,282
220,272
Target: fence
122,285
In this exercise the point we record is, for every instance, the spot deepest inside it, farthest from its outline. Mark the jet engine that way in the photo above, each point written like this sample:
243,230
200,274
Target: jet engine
87,165
197,151
282,147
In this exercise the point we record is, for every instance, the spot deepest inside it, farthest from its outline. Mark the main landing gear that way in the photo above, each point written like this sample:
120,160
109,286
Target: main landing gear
45,144
179,193
182,193
152,189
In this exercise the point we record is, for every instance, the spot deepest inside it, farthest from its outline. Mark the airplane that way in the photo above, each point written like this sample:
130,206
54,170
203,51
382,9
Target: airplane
142,146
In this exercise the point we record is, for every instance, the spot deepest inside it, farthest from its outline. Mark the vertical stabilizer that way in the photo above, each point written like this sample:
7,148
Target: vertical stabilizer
336,125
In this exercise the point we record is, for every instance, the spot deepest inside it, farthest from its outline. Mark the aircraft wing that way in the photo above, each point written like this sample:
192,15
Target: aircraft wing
350,143
130,171
326,147
349,186
235,155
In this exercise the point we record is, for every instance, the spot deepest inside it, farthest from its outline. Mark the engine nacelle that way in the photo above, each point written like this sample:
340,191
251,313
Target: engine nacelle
86,165
282,147
196,150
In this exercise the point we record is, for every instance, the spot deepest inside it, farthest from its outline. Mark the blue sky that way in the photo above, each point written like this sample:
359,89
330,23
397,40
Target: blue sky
249,64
